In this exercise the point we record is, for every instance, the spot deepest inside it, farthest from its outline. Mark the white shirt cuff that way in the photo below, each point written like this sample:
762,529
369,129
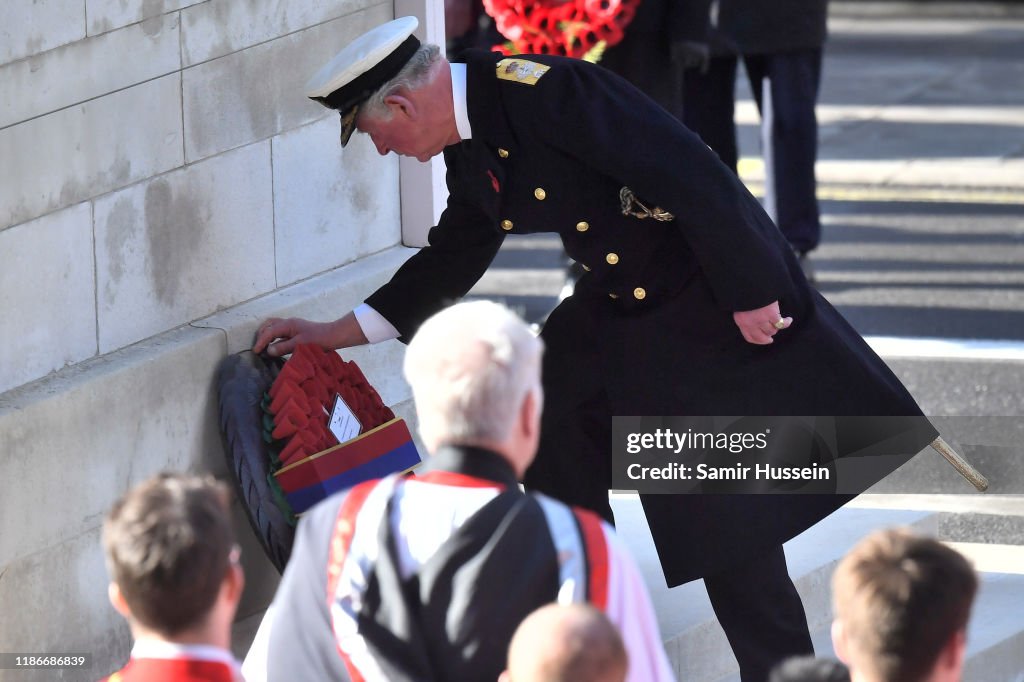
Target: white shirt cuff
460,101
375,327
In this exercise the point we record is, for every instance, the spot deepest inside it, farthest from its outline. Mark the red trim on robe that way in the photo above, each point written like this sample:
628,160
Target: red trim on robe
341,543
457,480
597,557
173,670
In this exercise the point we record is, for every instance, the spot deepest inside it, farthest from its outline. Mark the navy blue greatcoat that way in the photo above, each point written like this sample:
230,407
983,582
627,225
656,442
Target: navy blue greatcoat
649,330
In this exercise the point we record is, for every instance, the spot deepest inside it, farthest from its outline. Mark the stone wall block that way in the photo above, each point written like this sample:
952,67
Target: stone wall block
28,28
61,592
108,15
219,27
89,68
258,93
89,149
47,293
327,297
74,442
183,245
331,205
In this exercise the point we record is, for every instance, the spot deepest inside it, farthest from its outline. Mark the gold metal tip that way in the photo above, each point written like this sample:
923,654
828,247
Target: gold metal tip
961,465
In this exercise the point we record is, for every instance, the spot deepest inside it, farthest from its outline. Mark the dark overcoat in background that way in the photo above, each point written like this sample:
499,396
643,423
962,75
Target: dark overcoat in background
644,55
649,330
755,27
780,44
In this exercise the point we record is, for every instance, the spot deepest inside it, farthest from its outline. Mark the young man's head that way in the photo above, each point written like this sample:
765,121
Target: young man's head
901,606
173,563
474,369
566,643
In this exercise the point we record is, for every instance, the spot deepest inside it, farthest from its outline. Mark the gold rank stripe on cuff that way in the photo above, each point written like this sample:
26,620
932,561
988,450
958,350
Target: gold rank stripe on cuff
520,71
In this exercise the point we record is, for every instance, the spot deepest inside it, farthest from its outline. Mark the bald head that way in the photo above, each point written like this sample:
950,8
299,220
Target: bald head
473,367
566,643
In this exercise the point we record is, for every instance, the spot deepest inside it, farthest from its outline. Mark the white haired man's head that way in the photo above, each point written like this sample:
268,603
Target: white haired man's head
474,369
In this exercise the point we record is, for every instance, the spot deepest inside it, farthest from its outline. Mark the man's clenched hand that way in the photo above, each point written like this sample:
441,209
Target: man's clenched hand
759,326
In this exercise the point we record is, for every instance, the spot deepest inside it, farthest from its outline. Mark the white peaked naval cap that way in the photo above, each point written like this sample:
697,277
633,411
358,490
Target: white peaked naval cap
367,63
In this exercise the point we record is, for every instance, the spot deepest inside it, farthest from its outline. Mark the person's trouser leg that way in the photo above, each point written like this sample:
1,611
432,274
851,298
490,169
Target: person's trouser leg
573,460
789,139
762,615
708,106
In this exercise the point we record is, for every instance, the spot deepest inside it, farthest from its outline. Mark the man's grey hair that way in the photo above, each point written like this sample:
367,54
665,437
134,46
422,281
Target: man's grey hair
471,366
414,74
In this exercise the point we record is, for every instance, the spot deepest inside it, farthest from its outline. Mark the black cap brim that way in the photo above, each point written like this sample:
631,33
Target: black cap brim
348,123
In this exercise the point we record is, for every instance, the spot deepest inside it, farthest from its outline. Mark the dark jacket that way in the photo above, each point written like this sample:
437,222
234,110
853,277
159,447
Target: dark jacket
644,56
756,27
652,319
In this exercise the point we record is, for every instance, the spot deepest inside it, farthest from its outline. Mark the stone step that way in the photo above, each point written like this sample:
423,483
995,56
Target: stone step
698,647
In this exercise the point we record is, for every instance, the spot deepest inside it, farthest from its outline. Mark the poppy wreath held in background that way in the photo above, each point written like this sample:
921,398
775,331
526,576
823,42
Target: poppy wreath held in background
573,28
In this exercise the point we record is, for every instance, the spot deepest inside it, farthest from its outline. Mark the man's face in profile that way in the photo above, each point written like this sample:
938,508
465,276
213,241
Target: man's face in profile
406,133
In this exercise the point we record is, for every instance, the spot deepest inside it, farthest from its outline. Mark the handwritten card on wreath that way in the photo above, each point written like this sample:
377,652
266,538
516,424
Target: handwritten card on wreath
343,422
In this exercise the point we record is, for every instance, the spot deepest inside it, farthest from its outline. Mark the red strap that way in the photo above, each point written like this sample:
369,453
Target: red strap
456,479
341,543
597,557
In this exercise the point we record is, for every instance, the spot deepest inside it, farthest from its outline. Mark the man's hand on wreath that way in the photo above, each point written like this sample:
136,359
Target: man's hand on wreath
280,336
759,326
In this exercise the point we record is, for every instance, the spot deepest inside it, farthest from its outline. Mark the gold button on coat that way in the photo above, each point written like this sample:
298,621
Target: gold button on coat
582,226
612,258
639,294
506,225
503,153
540,193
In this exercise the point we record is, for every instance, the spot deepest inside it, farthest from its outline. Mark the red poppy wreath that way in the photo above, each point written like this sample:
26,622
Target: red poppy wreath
574,28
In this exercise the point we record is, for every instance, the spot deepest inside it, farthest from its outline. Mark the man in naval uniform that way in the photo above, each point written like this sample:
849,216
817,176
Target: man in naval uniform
427,578
692,304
